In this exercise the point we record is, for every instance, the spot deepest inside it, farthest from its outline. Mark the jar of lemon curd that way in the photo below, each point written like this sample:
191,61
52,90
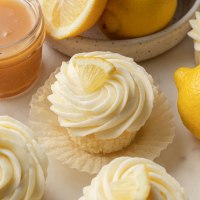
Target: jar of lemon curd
22,33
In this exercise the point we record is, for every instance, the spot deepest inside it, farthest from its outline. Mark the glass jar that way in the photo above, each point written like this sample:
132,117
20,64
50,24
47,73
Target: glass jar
20,62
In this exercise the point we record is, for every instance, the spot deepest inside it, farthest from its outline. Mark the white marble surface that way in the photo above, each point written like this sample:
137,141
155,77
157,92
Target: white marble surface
181,159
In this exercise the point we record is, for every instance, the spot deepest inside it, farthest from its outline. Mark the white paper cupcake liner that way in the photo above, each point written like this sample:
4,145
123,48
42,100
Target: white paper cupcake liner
154,137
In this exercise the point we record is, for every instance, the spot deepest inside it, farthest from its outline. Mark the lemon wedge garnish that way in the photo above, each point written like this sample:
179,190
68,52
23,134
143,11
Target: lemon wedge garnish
68,18
135,186
92,72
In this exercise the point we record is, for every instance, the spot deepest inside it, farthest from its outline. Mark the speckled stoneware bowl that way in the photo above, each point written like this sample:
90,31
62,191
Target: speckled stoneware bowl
141,48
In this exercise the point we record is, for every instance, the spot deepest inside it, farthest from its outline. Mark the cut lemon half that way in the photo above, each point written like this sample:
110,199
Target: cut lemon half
92,72
135,186
68,18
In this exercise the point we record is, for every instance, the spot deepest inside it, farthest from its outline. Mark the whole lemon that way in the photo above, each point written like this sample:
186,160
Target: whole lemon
135,18
188,84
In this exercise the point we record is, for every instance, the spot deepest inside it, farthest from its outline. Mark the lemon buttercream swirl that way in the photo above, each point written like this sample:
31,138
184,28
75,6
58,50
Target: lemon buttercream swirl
163,186
23,165
123,102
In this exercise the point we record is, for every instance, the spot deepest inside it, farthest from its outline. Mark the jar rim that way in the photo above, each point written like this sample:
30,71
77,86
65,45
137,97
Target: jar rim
32,31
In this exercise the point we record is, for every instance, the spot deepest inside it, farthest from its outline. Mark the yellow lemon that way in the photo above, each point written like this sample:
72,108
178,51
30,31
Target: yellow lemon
68,18
188,84
135,18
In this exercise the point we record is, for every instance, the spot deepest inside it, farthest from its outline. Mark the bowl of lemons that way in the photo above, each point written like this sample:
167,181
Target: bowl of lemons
138,29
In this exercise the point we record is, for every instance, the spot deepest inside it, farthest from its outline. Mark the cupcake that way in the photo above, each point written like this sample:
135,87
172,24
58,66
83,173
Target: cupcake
133,178
195,35
23,163
102,99
100,106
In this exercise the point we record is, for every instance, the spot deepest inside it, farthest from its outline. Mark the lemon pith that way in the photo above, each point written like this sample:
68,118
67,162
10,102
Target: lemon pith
188,84
68,18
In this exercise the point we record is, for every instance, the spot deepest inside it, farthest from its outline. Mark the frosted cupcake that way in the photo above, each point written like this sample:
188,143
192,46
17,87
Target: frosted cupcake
133,178
100,106
23,163
102,99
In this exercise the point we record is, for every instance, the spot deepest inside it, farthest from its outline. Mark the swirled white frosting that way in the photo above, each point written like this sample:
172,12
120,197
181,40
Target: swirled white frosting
23,165
123,103
163,186
195,32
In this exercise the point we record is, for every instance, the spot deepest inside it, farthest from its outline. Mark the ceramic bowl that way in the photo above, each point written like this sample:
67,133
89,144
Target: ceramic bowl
140,49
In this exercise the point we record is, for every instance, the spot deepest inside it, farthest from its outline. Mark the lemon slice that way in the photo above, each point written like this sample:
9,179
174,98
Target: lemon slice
68,18
135,186
92,72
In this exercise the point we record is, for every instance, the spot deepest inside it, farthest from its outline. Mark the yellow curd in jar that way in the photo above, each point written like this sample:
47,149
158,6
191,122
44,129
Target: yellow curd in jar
22,34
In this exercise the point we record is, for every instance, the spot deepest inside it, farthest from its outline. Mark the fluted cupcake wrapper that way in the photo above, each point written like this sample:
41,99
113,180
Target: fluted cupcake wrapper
154,137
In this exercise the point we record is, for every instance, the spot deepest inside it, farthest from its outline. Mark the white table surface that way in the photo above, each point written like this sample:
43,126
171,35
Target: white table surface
181,159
